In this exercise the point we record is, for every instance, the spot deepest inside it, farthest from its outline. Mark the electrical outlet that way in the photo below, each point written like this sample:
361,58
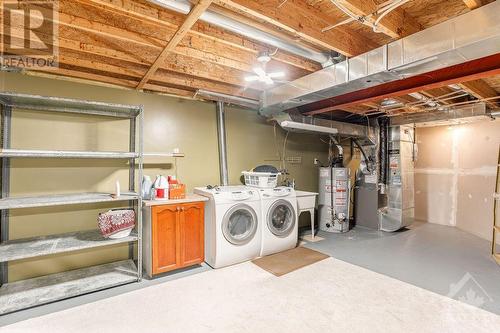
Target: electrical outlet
294,160
316,161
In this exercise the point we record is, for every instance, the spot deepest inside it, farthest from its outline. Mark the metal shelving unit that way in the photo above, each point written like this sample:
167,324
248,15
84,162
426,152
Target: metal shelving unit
32,292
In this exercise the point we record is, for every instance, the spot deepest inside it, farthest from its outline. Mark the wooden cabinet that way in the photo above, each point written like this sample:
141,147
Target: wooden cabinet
177,236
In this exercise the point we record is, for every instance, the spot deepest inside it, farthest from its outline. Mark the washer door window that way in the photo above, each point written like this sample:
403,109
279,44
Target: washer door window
240,224
281,218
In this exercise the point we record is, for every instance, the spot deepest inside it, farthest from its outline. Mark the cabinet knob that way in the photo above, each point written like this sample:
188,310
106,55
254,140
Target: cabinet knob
183,209
178,209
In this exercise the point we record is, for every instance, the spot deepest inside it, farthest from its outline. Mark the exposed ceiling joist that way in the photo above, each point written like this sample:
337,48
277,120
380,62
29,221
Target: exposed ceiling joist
159,23
480,90
191,19
473,4
396,24
299,19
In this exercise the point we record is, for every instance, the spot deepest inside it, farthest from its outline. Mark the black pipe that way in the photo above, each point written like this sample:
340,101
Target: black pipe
368,162
384,149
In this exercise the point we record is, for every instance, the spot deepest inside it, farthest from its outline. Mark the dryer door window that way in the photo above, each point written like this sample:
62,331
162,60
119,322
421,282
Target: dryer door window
281,218
240,224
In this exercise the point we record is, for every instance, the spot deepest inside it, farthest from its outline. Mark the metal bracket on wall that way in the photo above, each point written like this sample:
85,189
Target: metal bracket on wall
5,187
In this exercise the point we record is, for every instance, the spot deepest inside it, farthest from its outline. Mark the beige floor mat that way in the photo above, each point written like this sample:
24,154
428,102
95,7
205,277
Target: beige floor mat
288,261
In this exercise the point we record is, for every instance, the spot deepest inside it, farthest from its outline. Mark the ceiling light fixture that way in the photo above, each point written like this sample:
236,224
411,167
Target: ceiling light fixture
263,57
260,70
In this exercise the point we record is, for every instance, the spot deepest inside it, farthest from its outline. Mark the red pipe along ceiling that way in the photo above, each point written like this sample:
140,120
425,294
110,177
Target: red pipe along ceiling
467,71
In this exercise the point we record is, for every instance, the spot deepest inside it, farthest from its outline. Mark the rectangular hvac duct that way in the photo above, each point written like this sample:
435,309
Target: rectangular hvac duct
467,114
471,36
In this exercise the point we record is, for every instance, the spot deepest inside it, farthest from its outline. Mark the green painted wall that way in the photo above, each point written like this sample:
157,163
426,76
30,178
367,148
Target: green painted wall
169,123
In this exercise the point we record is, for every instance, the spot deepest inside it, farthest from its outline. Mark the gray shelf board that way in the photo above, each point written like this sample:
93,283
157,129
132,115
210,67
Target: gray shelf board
164,155
46,289
46,245
58,104
63,199
65,154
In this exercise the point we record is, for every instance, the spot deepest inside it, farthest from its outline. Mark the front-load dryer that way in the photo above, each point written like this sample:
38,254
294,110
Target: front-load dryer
279,220
232,228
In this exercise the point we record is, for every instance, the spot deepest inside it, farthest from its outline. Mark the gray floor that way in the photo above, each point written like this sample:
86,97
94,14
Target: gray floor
72,302
441,259
426,255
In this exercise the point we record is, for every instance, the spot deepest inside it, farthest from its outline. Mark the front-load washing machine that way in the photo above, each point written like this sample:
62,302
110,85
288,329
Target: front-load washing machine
232,227
279,220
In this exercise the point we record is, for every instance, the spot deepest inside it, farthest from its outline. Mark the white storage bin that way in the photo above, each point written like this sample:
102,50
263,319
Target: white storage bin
261,179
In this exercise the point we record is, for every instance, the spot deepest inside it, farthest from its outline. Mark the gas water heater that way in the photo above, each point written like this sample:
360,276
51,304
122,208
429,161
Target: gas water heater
333,201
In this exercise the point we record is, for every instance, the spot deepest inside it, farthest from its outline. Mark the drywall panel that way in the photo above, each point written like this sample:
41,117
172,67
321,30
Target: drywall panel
434,148
479,146
472,150
475,204
432,193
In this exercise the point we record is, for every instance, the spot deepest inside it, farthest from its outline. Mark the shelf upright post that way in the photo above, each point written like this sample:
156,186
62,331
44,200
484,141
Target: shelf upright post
6,119
131,173
139,201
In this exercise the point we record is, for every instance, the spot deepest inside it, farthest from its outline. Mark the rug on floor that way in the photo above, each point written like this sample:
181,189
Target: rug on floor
288,261
328,296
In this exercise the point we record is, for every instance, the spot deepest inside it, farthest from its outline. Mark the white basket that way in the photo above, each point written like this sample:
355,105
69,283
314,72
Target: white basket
261,179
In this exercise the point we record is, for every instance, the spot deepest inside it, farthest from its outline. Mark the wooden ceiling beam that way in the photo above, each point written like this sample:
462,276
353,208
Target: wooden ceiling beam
182,31
299,19
396,24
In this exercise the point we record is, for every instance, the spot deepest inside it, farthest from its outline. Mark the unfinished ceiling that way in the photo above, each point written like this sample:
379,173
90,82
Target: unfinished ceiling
140,45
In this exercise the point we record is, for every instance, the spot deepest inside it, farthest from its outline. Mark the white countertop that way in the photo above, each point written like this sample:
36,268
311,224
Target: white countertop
299,193
189,198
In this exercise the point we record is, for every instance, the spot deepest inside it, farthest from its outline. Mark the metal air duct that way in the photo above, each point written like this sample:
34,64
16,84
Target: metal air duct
359,132
184,6
235,100
468,37
301,127
221,139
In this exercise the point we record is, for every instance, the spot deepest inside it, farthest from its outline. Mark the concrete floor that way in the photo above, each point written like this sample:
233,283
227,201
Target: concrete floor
430,256
328,296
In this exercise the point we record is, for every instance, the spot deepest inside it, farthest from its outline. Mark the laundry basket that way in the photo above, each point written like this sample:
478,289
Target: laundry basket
261,179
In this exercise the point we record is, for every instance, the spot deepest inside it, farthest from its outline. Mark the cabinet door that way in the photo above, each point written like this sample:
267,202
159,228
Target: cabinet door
192,231
166,238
